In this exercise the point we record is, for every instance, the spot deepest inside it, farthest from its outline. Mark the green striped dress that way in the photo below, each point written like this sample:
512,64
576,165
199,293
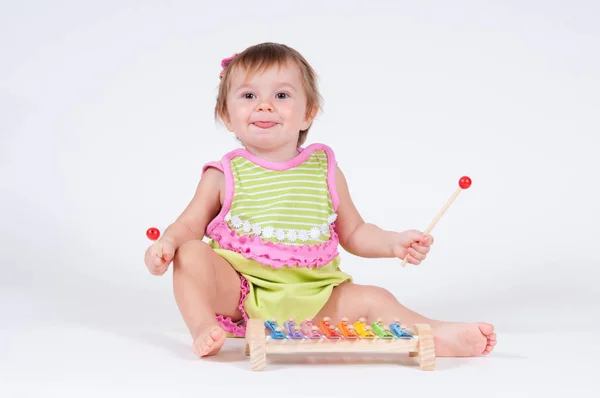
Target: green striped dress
276,228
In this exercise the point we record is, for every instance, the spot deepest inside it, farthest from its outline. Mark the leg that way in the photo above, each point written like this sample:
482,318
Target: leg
205,284
452,339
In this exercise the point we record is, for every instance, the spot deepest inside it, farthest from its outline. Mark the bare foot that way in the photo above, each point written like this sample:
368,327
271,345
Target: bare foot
209,341
457,339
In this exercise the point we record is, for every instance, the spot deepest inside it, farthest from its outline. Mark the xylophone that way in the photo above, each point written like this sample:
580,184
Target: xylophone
268,337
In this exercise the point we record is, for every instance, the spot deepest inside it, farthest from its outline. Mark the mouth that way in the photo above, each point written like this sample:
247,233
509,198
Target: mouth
264,125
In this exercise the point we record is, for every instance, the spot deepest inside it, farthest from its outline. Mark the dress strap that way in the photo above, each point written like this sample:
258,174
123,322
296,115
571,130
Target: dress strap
217,165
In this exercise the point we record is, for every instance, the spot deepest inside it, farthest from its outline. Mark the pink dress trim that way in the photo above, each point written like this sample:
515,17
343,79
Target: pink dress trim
271,253
238,330
212,164
275,254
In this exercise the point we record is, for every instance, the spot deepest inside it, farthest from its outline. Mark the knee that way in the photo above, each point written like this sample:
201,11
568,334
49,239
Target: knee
377,296
191,253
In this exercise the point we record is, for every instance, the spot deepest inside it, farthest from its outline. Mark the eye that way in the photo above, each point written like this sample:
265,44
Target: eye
282,95
248,95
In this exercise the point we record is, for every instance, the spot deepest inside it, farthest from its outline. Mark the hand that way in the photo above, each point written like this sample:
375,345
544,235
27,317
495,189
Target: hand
158,256
414,244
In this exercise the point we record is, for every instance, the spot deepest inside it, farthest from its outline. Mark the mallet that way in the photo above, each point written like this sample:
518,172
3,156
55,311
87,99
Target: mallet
463,183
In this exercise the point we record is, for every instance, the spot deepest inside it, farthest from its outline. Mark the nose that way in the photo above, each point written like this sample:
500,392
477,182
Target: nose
264,106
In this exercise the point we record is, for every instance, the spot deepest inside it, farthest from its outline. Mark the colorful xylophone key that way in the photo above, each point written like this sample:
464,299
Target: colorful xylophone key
275,331
399,332
329,330
382,331
348,331
310,330
292,330
364,330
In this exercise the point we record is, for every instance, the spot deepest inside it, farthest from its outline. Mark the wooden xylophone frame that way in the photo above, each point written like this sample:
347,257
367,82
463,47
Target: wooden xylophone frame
258,343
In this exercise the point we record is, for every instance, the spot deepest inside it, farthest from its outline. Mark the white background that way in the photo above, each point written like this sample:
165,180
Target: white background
106,118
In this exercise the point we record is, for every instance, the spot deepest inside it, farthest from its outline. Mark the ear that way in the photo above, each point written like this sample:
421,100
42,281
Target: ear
310,117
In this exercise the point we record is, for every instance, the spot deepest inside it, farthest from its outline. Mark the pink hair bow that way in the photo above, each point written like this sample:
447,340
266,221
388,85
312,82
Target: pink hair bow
224,63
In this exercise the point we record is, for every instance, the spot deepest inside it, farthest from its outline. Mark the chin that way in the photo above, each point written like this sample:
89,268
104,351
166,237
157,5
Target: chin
259,140
267,139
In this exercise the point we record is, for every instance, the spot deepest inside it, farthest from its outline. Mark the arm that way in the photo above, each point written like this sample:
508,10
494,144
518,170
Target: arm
357,236
203,207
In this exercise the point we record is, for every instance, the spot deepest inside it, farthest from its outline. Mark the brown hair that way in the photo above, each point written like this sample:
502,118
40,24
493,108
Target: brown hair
265,55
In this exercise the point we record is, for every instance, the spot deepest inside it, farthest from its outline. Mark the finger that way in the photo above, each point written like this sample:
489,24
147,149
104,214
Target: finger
424,240
159,249
412,260
416,236
415,254
159,271
421,249
428,240
154,270
158,262
168,253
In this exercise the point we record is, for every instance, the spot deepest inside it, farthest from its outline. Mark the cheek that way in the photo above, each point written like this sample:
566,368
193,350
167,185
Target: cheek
294,111
240,113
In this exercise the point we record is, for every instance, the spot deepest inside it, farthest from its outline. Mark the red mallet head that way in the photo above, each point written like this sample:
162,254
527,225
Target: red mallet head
464,182
153,233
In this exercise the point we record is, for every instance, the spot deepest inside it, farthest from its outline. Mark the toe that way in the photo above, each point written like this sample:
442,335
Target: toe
209,343
217,334
486,328
199,350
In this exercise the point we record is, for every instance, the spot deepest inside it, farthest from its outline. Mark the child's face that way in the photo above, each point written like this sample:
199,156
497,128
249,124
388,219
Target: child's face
269,109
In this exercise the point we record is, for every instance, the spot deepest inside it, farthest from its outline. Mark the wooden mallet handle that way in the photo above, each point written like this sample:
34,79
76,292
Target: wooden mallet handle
463,183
